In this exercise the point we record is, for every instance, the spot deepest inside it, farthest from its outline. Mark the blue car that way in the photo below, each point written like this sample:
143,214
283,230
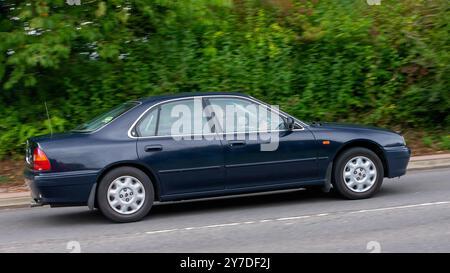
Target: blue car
186,146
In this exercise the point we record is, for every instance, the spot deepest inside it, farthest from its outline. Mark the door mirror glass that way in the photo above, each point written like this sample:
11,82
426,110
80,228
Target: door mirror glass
290,123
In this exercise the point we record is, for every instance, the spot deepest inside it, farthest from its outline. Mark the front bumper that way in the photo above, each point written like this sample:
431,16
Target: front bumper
397,160
60,189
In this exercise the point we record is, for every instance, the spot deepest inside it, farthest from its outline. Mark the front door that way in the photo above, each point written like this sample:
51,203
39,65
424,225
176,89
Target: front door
255,157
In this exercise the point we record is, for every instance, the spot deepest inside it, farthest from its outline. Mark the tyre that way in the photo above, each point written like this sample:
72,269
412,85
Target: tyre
358,173
125,194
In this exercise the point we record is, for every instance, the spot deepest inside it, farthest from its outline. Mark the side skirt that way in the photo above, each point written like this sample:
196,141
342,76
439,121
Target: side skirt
227,192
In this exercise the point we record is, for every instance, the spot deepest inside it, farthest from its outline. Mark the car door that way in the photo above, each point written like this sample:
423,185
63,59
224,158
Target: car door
183,160
247,163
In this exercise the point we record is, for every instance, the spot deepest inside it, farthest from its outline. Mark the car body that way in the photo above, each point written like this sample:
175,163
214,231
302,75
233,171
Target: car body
306,156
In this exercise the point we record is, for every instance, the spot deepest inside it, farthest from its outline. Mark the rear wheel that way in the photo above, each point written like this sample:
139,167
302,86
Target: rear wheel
125,194
358,173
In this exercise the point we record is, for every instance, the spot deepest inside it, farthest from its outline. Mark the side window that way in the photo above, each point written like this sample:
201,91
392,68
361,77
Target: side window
182,118
147,126
240,115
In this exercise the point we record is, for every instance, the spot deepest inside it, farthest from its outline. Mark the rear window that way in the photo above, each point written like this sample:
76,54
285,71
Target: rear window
105,118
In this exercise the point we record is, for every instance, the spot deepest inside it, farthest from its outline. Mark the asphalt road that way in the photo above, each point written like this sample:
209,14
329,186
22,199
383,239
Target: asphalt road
411,214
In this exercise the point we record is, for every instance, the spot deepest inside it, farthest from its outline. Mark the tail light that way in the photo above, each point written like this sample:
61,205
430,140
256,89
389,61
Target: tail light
40,160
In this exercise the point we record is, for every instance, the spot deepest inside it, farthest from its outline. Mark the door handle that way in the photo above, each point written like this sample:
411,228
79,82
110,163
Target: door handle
153,148
234,143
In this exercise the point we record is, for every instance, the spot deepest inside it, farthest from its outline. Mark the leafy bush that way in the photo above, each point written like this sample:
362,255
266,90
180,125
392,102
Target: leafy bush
385,65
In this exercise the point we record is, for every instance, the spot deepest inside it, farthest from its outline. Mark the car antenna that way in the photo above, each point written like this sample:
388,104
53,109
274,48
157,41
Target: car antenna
49,120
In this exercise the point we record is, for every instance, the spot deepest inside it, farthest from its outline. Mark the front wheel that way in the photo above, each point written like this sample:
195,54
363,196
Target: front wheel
125,194
358,173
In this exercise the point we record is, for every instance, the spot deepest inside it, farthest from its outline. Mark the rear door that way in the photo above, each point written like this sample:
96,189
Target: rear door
180,156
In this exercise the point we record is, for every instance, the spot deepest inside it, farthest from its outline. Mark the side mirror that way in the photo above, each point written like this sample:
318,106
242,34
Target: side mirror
290,123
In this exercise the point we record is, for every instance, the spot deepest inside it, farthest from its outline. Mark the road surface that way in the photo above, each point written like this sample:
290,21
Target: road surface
411,214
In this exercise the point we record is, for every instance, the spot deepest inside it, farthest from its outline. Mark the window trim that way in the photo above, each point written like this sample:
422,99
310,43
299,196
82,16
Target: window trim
159,104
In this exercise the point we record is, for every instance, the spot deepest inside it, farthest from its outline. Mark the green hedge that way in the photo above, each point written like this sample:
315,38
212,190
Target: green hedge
386,65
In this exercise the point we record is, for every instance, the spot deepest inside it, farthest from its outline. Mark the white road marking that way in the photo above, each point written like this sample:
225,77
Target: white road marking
293,218
402,207
222,225
322,214
162,231
300,217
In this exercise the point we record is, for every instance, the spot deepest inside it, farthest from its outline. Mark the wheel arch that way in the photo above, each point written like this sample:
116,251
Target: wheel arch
137,165
368,144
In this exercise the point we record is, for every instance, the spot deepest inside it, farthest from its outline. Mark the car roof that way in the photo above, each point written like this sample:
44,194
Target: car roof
159,98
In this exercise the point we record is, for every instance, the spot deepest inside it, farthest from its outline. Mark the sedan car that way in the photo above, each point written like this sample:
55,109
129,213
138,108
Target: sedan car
185,146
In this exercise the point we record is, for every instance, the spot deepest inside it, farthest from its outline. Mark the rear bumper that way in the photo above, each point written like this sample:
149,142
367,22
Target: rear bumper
397,160
60,189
